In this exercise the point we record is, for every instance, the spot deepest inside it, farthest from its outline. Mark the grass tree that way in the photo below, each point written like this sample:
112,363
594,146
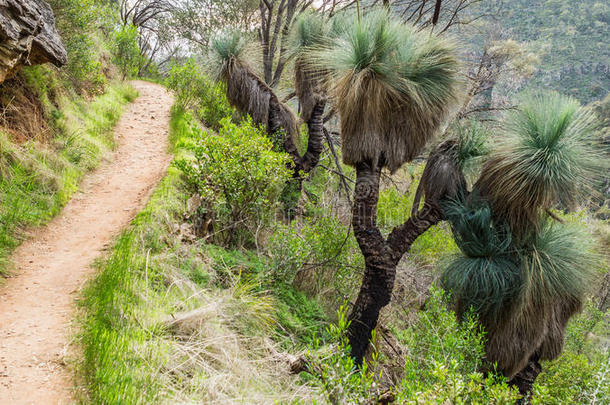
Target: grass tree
247,92
309,31
522,271
392,87
252,96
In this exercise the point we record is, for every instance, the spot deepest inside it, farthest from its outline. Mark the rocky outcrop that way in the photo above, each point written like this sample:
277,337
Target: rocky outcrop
28,36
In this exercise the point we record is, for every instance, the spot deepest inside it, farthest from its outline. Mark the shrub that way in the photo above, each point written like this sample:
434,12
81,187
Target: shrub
125,50
318,255
188,83
76,21
215,106
239,178
445,359
195,92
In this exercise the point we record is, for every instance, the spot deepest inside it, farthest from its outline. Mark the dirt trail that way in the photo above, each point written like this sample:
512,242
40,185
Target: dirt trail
37,306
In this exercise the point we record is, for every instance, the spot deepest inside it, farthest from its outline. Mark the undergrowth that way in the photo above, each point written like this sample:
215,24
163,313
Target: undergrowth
37,177
172,319
177,317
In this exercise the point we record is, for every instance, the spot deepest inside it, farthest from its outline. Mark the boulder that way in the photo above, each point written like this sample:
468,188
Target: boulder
28,36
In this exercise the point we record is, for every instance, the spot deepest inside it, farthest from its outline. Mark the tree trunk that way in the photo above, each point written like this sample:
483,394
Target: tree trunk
302,164
524,380
381,256
315,143
378,273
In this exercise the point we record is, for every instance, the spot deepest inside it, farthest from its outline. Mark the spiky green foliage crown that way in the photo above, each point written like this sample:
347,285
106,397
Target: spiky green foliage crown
228,45
472,146
486,276
391,85
558,264
310,29
547,155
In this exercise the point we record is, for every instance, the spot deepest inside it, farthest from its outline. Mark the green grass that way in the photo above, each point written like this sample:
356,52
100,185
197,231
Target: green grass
171,321
36,180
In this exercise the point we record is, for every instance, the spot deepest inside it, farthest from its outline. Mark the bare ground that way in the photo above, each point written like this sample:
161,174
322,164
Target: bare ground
37,305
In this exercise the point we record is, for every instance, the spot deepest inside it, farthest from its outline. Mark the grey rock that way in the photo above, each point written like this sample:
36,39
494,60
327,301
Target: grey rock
28,36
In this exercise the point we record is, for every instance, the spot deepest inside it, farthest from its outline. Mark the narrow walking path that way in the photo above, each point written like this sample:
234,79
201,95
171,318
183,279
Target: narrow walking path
37,306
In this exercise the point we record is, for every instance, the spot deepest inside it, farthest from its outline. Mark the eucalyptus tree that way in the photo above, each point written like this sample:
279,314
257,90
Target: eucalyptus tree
153,20
198,20
392,86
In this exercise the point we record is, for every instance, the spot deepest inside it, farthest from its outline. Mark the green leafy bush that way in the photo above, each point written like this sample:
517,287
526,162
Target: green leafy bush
238,176
445,360
318,255
188,83
195,92
76,21
125,50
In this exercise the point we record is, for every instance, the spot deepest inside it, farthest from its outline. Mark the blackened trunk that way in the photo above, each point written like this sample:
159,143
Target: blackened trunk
315,143
402,237
302,164
378,273
524,380
381,256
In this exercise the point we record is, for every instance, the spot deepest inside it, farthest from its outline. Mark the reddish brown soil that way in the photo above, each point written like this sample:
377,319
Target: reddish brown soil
37,306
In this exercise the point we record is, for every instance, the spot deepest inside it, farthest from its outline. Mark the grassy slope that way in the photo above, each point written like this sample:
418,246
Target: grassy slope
174,321
37,179
169,321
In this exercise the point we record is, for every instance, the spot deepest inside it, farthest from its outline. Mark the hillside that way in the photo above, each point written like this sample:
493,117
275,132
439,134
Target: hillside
297,202
570,37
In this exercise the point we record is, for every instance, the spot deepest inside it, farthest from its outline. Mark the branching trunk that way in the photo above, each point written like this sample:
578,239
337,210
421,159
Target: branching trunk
315,143
381,256
302,164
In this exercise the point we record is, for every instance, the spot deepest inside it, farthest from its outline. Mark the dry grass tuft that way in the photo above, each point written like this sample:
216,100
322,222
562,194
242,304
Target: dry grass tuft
219,351
21,112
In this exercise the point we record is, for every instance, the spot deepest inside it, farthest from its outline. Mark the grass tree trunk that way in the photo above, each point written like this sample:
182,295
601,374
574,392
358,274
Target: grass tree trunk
524,379
315,143
381,255
302,164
